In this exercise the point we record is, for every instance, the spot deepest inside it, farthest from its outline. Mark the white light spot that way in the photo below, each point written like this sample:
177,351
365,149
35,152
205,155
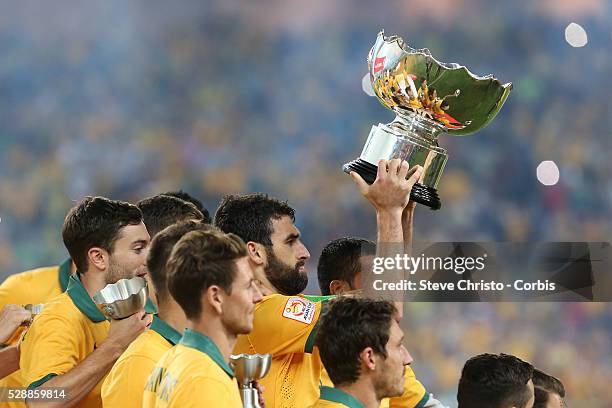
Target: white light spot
366,85
548,173
575,35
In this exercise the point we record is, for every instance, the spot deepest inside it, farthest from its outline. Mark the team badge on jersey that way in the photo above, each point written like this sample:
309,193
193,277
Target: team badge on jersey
299,309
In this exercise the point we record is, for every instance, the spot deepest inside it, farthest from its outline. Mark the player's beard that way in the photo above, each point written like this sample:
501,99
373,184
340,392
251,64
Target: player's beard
286,279
389,384
116,271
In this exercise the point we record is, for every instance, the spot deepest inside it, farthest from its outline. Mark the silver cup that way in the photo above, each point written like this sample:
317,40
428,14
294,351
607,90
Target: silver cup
249,368
123,298
429,98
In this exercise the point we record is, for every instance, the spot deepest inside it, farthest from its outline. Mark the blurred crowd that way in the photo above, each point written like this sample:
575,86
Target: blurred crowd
127,100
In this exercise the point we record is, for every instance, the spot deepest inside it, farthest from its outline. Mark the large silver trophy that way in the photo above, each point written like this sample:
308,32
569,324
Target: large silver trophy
249,368
429,99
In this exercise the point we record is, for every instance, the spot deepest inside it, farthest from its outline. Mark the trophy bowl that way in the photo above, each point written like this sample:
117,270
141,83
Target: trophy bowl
249,368
123,298
429,98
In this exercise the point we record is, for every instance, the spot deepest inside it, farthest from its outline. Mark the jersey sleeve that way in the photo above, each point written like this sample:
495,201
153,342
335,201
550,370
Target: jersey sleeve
12,291
285,324
414,395
50,348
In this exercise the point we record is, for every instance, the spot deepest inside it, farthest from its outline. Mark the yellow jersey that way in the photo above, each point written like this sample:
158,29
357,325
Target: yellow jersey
333,397
69,328
192,374
124,384
33,287
285,326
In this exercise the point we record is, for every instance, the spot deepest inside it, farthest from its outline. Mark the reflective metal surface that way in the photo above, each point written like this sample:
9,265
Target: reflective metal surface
386,142
412,82
249,368
123,298
430,98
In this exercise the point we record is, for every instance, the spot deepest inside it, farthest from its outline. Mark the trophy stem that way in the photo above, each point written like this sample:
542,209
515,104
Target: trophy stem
421,194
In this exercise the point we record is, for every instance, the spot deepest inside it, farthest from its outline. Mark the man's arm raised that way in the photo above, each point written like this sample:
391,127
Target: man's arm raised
390,194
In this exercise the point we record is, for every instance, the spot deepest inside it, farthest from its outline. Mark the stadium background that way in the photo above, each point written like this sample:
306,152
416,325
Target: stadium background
128,99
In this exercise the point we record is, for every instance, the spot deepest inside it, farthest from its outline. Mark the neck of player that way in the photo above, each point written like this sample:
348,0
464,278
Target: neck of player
170,312
213,328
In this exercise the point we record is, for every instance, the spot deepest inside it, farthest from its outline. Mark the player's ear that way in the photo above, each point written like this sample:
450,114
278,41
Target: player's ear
338,287
213,296
98,258
368,359
257,253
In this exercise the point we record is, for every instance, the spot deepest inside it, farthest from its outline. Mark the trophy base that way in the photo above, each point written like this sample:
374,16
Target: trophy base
421,194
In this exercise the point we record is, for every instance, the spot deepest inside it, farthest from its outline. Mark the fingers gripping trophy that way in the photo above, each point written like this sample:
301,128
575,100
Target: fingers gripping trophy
429,99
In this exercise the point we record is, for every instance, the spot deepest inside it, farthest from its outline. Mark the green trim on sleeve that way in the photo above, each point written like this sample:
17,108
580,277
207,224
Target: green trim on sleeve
310,341
40,382
423,400
322,298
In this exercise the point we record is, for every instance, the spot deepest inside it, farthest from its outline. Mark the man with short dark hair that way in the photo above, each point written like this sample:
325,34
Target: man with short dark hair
133,368
339,271
210,278
361,345
496,381
286,320
267,226
341,264
71,345
161,211
549,391
183,195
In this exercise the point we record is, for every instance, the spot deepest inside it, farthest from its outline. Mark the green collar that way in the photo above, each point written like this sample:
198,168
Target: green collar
335,395
82,301
200,342
64,273
149,306
165,330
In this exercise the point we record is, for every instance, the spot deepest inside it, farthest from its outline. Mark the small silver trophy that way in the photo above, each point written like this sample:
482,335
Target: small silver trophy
249,368
123,298
429,98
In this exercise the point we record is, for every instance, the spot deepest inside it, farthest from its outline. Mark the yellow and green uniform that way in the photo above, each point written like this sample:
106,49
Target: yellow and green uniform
192,374
285,326
69,328
125,382
414,396
34,287
333,397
